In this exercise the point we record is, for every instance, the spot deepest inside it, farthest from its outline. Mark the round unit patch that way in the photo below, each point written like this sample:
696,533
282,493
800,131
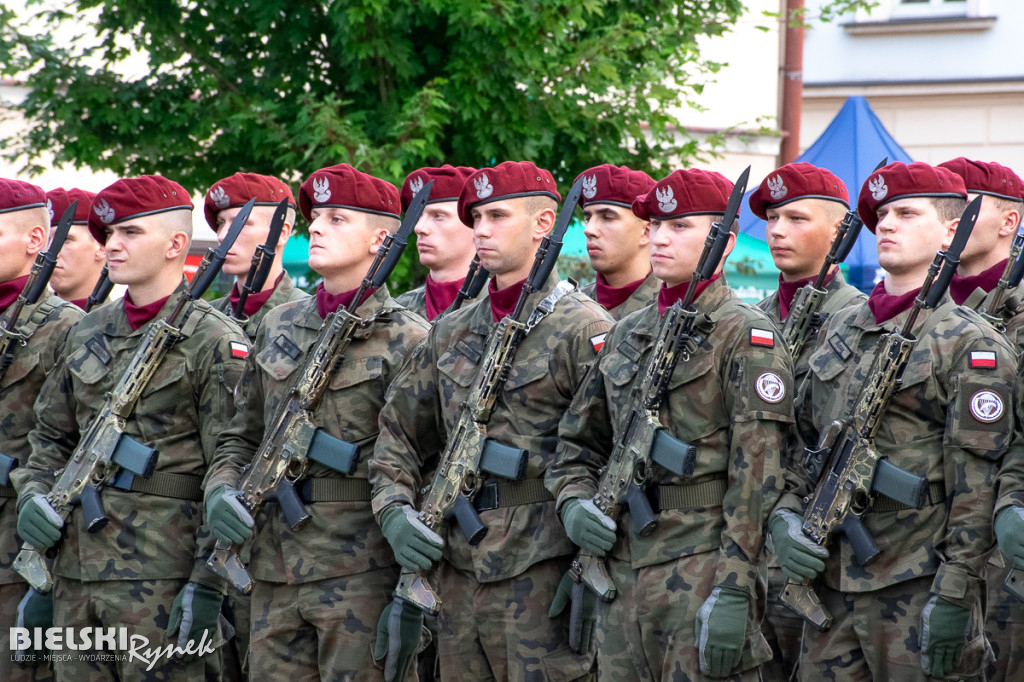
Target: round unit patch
986,406
770,387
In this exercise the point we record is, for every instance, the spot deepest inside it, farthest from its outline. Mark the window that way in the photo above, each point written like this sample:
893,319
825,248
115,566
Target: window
923,9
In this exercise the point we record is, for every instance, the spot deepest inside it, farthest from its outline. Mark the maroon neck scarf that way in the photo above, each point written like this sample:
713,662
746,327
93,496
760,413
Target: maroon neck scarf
440,295
887,306
139,315
669,295
787,290
612,297
81,302
9,292
255,301
503,302
328,303
962,287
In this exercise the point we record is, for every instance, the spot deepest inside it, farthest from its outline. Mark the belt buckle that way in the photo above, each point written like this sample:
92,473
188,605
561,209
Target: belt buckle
487,498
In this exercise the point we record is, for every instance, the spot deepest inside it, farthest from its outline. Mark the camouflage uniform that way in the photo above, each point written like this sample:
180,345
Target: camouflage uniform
129,573
493,622
711,535
319,590
929,428
284,292
784,627
415,300
646,294
236,604
52,318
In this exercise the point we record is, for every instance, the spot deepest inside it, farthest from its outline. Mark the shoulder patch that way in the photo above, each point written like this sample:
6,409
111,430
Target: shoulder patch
239,350
762,337
983,359
597,341
986,406
770,387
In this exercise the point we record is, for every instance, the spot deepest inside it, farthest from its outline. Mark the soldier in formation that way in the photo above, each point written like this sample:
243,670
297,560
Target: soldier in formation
82,258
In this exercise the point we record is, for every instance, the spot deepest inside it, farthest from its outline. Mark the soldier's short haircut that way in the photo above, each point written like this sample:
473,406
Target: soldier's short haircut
538,202
719,217
1005,204
28,218
383,222
949,208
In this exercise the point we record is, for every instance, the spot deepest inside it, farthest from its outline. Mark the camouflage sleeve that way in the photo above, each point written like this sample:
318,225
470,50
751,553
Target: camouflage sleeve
237,443
758,388
1011,474
979,430
411,429
584,348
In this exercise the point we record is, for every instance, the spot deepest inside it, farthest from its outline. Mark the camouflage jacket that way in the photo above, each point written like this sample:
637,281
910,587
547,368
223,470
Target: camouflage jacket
184,406
342,538
415,300
840,295
950,422
423,404
21,384
645,295
1011,312
284,292
731,399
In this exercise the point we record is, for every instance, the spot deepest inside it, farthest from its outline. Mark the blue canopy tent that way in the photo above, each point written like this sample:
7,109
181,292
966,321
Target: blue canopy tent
852,145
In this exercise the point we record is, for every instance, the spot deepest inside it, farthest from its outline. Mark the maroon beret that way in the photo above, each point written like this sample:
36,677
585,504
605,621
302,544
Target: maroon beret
900,181
796,181
507,180
981,177
343,186
684,193
135,198
16,195
618,185
58,200
448,182
238,189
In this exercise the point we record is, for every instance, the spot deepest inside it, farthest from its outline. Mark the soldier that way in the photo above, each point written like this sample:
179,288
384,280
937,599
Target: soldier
916,610
618,242
804,206
24,230
145,570
223,202
444,244
493,623
319,590
82,257
732,399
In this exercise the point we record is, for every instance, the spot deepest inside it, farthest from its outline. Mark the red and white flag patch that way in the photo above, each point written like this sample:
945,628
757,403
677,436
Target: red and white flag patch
762,337
985,359
598,341
239,350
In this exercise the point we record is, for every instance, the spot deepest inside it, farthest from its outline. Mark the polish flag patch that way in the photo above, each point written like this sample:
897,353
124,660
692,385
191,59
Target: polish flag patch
762,337
239,350
598,341
985,359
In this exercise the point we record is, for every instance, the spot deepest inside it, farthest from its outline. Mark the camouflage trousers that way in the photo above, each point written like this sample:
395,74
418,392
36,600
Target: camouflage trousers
322,630
1004,627
875,635
11,670
233,664
143,608
500,631
782,628
649,631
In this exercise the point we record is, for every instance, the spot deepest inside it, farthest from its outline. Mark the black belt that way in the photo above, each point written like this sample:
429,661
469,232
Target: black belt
936,495
512,494
334,489
708,493
178,486
7,491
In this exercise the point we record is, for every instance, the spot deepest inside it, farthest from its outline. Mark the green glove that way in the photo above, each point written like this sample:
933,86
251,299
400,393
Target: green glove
722,631
196,609
1010,535
39,524
35,610
226,516
799,556
399,632
588,527
416,547
582,614
943,636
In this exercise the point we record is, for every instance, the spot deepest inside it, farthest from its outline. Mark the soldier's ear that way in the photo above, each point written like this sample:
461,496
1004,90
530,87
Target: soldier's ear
543,221
36,239
645,234
950,232
1011,220
178,245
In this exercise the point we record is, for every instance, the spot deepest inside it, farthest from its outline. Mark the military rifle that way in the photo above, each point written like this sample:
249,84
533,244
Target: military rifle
1011,277
642,441
101,291
262,261
469,452
106,452
293,440
854,472
475,280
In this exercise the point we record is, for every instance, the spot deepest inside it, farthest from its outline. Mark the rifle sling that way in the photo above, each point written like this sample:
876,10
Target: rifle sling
708,493
936,495
334,489
496,495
